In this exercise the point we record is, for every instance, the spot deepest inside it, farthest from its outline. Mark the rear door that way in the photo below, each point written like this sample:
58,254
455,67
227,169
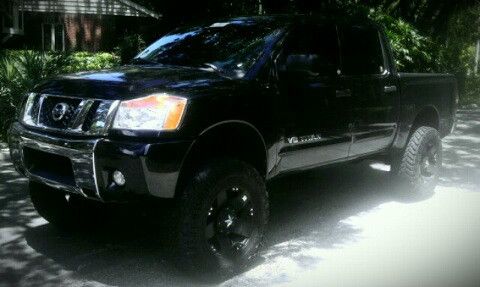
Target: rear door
366,77
315,120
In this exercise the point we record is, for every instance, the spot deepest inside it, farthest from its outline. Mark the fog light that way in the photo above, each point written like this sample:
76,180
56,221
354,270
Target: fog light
118,178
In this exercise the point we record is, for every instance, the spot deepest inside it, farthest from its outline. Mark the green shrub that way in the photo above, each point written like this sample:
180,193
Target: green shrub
21,70
10,85
129,47
86,61
412,51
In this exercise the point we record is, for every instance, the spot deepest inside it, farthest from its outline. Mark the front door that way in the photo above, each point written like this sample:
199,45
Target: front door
315,115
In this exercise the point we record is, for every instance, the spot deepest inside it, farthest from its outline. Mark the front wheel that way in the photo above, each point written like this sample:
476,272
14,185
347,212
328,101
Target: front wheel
420,166
224,211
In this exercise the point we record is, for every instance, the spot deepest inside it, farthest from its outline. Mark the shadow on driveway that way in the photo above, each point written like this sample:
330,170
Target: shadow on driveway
135,246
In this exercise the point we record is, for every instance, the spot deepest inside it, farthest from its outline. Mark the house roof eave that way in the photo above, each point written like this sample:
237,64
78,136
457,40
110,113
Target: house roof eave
141,9
94,7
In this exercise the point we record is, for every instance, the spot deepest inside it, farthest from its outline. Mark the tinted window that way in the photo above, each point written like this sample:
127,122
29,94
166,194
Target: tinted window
317,45
361,51
231,47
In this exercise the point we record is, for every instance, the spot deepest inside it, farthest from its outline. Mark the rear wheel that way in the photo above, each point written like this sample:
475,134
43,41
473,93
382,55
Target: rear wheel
419,169
223,216
64,211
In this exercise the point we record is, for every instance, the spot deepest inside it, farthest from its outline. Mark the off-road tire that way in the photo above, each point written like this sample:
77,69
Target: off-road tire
196,254
425,144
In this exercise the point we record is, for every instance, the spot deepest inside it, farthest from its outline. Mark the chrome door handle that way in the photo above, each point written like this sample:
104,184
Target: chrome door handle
390,89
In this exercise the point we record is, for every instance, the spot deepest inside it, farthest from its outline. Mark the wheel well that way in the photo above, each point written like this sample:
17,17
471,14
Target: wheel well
234,139
427,117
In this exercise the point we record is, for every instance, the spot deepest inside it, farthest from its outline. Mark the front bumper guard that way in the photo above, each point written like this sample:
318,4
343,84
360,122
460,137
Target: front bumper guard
80,152
150,168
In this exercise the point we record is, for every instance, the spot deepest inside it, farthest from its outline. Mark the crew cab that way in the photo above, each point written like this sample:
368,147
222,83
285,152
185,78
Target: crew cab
208,114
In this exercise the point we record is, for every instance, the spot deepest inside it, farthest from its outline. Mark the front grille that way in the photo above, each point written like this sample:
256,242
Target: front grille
87,123
47,109
71,114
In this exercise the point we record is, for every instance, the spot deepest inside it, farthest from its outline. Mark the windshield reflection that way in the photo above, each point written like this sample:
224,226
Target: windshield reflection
231,47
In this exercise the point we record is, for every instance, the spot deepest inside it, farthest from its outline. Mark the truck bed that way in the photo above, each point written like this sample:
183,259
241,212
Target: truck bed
426,91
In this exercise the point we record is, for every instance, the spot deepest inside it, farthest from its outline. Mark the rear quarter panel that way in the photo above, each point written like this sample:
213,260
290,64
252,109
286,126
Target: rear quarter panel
421,91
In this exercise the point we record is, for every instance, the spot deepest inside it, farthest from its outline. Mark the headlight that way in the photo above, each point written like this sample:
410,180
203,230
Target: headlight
155,112
27,114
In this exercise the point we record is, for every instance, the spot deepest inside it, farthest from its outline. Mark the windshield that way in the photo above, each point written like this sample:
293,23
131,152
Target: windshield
230,47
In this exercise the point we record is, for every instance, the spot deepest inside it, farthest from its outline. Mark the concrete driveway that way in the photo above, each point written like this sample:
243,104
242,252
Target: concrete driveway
342,226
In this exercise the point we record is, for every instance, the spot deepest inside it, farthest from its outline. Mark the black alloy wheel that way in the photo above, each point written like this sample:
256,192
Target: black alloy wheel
223,214
230,223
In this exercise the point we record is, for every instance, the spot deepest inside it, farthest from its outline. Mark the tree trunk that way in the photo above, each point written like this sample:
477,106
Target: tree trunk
477,57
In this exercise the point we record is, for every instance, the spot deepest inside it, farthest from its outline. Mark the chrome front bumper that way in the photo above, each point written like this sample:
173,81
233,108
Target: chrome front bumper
150,169
80,152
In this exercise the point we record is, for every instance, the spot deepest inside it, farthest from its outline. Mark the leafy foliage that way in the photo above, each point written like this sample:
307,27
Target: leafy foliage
20,71
87,61
471,90
129,47
413,52
457,51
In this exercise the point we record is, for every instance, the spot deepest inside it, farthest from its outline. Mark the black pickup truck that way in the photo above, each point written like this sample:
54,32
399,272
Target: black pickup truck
206,115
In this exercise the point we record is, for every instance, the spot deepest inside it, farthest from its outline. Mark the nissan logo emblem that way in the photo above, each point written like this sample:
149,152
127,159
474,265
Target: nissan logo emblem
59,111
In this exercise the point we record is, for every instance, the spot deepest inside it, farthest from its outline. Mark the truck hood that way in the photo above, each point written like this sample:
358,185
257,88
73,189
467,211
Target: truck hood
133,81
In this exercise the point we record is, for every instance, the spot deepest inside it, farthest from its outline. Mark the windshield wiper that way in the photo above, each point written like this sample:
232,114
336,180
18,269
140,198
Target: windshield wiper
211,66
215,68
